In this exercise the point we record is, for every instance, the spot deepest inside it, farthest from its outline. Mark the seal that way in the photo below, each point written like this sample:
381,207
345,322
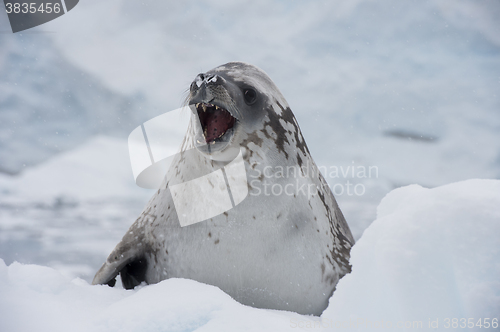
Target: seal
285,246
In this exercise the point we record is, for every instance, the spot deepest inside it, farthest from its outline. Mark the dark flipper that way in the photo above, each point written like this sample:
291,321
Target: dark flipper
134,273
127,259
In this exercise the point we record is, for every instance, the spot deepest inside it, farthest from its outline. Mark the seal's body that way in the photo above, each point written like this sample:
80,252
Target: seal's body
285,246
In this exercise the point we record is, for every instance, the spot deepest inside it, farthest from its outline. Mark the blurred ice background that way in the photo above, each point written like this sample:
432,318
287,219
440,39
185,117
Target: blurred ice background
409,87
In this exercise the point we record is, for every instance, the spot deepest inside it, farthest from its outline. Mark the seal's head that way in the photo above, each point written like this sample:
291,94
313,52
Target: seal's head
228,103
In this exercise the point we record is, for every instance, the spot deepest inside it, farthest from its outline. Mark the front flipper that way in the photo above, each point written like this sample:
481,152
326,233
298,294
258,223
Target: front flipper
127,259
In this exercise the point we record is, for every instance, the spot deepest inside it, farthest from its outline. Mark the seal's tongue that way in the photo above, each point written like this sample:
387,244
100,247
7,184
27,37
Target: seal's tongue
214,120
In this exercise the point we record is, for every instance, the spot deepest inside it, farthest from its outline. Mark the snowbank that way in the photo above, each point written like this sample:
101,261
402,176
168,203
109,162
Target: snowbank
431,254
36,298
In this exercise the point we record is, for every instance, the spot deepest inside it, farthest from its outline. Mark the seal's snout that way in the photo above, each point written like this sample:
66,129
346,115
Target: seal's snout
216,113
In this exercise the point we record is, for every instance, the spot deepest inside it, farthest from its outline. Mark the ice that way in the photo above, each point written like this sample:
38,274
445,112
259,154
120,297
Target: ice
430,255
70,211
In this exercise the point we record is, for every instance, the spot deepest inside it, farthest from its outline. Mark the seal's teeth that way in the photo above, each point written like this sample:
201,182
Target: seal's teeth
213,142
198,105
217,107
204,107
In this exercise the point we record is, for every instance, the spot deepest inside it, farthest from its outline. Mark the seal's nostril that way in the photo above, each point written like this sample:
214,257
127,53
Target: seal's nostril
198,81
210,77
213,78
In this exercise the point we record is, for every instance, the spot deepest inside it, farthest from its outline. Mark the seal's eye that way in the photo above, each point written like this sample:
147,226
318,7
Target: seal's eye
250,96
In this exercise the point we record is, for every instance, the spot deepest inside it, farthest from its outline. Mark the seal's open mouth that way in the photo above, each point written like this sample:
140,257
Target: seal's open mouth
215,121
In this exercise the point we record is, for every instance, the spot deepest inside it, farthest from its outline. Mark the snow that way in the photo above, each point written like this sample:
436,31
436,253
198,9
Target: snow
421,260
37,298
428,255
410,88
